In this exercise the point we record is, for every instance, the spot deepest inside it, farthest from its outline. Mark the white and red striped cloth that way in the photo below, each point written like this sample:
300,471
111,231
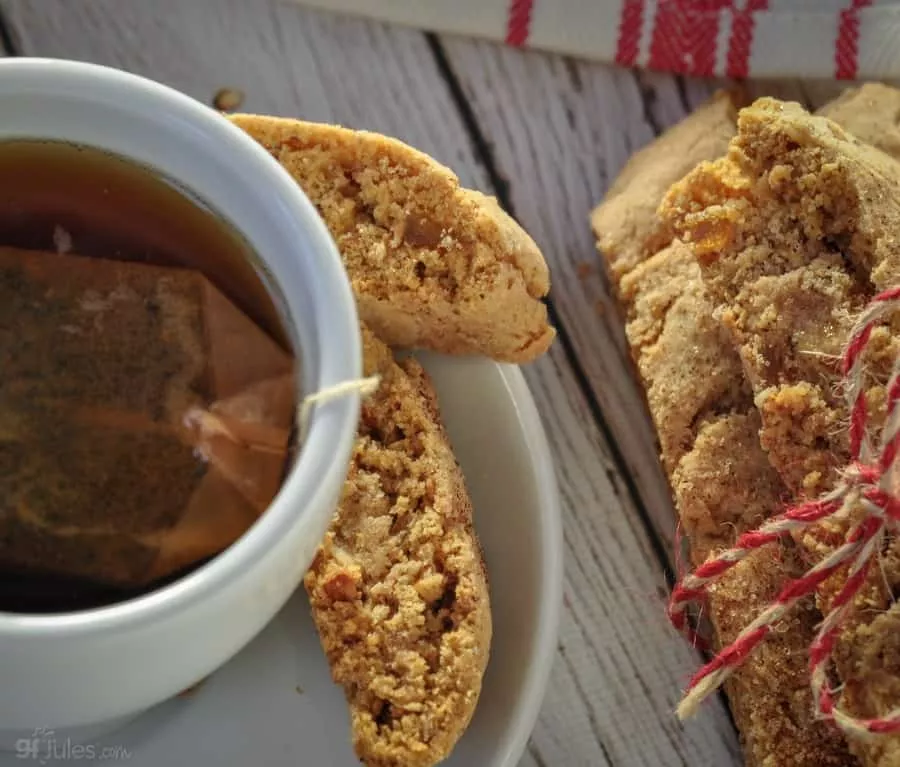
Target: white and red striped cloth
843,39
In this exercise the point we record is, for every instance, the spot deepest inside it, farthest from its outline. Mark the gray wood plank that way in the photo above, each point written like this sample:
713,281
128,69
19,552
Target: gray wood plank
167,41
560,131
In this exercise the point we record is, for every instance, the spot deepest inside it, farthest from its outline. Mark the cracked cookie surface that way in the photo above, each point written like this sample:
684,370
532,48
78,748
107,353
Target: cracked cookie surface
722,481
795,230
398,587
625,222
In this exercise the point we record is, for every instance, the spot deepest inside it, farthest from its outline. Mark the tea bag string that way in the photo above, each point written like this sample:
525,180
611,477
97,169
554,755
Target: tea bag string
365,387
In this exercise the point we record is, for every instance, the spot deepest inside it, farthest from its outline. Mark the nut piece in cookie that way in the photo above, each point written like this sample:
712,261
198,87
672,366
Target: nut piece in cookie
398,588
432,265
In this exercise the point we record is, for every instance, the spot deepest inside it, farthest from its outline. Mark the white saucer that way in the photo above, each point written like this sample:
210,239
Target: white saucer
274,704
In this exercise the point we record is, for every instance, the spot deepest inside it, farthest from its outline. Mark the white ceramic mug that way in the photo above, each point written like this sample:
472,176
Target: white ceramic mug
97,666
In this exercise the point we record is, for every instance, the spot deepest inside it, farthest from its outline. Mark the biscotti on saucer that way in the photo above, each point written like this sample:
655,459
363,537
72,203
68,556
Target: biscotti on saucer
398,588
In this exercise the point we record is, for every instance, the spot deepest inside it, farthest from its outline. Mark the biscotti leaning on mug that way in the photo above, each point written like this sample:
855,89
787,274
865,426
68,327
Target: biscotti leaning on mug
433,265
399,588
731,328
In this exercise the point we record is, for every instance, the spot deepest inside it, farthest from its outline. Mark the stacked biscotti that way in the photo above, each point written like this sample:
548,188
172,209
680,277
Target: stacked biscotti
795,230
398,588
703,393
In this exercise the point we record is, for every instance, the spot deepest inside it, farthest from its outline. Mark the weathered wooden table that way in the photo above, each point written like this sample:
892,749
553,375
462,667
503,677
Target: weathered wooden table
546,135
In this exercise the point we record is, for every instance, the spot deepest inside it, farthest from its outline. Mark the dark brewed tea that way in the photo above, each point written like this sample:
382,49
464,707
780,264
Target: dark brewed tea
142,358
56,196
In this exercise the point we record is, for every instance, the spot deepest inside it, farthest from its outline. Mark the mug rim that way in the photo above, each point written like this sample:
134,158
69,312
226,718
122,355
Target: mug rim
338,356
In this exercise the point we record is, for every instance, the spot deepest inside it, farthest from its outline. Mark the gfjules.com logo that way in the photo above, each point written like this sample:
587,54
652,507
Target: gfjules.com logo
44,747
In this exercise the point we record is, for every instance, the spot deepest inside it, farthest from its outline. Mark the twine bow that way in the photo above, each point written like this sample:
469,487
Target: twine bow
866,485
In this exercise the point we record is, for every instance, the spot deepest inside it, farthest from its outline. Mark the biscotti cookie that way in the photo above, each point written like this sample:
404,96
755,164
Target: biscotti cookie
794,231
432,265
689,370
625,222
398,588
722,482
724,485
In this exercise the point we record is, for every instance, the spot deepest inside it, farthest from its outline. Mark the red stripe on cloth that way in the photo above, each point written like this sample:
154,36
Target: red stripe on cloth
737,61
686,35
518,22
846,48
630,24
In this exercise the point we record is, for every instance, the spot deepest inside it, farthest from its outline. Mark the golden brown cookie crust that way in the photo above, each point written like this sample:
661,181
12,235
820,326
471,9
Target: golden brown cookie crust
724,485
794,231
432,264
678,347
721,478
398,588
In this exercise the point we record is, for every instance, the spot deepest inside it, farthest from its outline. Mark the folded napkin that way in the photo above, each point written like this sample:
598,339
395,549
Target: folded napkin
842,39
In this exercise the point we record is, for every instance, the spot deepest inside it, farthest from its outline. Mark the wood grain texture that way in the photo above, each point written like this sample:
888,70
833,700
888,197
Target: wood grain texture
620,668
560,131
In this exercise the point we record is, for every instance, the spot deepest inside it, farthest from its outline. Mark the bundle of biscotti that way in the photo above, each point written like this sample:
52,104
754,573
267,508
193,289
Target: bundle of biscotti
703,406
795,232
398,588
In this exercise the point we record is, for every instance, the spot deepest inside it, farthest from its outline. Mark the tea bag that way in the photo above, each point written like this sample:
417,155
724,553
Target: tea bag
144,420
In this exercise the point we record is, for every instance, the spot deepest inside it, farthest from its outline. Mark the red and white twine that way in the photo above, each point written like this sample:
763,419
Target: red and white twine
866,486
